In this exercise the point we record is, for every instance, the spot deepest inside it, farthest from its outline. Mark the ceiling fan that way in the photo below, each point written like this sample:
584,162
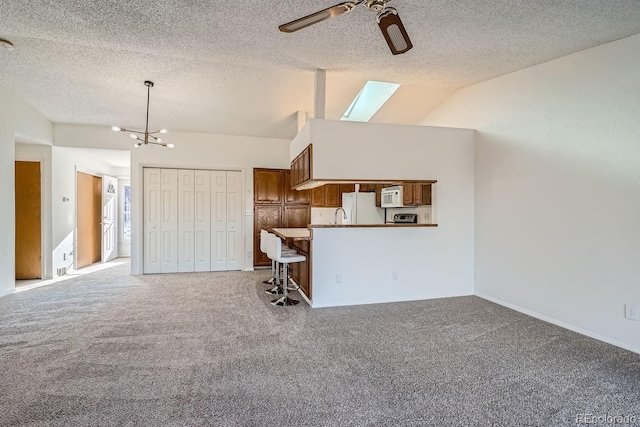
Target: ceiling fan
387,18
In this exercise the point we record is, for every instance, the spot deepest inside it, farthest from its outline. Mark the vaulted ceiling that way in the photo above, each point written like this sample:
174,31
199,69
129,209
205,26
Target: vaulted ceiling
223,67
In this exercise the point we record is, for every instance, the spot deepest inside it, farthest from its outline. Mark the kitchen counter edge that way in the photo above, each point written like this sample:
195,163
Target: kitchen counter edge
369,225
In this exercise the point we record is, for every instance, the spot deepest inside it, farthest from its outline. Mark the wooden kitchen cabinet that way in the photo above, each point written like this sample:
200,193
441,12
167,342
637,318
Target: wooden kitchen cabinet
326,196
367,188
416,194
294,196
276,205
301,271
267,186
317,197
332,196
296,216
265,217
301,167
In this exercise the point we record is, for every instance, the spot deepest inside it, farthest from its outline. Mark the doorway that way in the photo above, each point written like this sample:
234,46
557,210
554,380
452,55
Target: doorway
28,220
89,218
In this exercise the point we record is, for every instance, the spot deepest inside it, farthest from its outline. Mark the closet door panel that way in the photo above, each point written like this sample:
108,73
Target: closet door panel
151,221
186,218
234,220
218,221
169,221
202,220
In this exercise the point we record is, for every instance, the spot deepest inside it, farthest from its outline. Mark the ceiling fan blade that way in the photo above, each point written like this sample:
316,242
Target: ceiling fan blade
314,18
393,31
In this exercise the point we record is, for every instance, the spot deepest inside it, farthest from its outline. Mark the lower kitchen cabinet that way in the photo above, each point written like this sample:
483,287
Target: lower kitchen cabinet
301,271
297,216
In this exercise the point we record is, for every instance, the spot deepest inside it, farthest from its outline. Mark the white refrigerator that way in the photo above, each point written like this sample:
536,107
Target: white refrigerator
360,208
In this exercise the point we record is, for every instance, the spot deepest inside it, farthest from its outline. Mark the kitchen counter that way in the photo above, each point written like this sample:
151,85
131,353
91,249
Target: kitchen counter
369,225
292,234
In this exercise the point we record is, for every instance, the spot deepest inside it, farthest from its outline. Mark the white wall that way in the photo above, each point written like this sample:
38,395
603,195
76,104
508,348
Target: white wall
66,162
431,262
558,188
192,150
42,154
16,118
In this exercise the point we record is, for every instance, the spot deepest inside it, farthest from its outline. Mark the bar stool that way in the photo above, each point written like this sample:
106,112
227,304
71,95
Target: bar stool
264,235
274,251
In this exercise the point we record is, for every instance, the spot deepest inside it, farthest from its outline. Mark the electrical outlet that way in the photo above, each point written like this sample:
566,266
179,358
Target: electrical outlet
249,254
248,213
630,312
338,278
394,274
426,216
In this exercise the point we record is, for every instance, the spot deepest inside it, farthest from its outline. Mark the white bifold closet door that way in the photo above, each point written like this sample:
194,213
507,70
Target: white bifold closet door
186,218
192,220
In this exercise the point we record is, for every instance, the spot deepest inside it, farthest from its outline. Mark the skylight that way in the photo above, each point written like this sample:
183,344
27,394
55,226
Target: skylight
370,99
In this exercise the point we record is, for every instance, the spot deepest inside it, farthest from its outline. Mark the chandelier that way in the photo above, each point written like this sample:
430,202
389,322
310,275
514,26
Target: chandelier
149,137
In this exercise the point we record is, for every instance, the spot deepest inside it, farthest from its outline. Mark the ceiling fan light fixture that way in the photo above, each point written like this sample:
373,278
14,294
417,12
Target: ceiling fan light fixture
320,16
6,44
134,133
393,31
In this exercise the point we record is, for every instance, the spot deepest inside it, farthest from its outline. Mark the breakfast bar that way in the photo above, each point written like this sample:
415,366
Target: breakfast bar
350,264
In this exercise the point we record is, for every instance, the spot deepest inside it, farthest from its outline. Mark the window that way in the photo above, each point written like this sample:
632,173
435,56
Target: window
126,220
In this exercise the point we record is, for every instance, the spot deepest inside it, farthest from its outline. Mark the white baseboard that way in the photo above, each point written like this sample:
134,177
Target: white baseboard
560,323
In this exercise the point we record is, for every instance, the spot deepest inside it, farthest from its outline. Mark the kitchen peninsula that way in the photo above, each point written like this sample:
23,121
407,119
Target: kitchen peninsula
374,263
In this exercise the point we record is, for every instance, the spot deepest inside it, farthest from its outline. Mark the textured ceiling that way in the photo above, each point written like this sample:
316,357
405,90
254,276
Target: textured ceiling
223,67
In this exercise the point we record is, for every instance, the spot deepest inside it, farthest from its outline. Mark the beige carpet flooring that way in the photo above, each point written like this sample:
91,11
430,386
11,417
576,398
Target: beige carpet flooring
208,349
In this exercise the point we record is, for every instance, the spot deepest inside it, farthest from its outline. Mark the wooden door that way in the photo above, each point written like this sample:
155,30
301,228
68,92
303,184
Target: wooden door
89,218
265,217
28,221
267,185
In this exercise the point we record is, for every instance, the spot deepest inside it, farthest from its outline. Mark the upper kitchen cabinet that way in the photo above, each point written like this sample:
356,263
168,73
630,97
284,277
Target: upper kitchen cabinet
327,196
416,194
267,186
301,167
292,196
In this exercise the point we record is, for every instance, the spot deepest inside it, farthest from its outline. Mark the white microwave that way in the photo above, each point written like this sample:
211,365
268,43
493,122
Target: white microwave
392,197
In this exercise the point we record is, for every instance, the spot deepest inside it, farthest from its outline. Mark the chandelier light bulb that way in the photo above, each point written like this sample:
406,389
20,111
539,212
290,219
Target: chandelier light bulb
136,145
159,139
116,129
170,145
133,136
163,131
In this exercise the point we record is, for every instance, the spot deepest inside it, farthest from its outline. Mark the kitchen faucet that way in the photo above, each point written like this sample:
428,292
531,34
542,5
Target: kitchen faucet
335,215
